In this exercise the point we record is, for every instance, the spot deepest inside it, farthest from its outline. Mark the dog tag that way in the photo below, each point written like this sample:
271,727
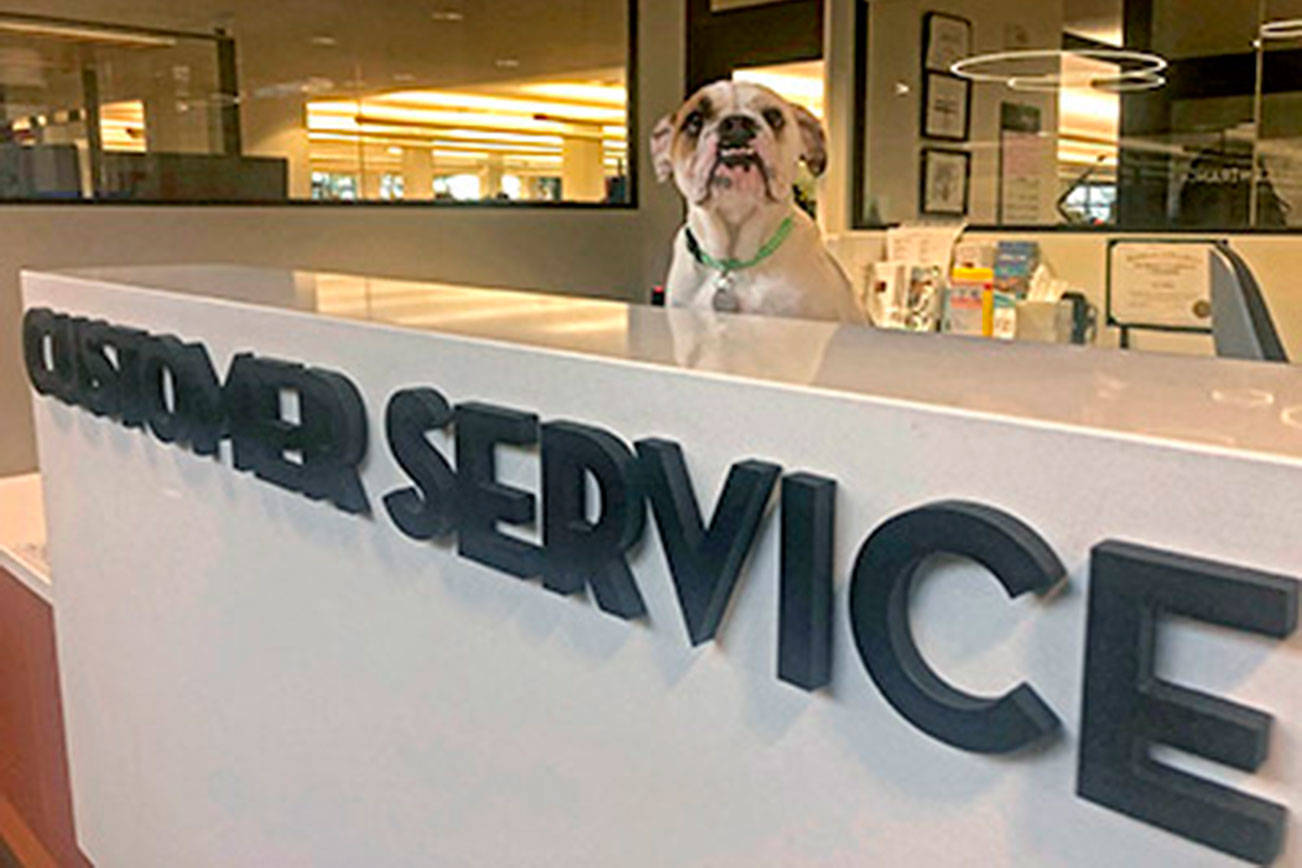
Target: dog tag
725,300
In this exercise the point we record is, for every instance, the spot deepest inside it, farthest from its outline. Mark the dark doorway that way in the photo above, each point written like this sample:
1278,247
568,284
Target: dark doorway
765,34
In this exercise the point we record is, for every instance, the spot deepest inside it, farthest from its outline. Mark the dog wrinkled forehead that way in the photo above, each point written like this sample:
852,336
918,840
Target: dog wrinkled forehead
755,97
723,98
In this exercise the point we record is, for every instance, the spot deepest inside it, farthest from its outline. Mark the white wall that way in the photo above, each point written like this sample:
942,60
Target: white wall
614,253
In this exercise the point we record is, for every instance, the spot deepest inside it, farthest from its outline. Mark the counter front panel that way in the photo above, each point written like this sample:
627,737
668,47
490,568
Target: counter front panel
643,589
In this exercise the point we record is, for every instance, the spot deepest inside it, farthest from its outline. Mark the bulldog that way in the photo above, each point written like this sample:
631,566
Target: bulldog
733,150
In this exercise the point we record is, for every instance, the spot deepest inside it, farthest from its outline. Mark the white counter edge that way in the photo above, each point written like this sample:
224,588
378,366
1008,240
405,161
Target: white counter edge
1246,451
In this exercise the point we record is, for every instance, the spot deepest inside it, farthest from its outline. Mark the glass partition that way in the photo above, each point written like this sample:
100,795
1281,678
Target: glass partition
94,110
487,101
1115,114
1278,110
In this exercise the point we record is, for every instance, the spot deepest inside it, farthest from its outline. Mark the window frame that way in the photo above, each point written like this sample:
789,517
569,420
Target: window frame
227,47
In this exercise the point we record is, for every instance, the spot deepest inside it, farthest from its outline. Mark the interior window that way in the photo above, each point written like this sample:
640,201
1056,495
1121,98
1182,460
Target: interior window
1127,114
254,101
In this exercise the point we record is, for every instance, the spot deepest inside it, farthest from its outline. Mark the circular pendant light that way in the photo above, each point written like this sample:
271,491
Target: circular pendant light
1281,29
1144,70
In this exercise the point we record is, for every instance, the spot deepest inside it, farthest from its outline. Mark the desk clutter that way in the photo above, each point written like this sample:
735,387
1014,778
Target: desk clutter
931,281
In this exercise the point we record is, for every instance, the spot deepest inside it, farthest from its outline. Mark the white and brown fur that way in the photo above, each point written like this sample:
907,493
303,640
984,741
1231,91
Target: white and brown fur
737,197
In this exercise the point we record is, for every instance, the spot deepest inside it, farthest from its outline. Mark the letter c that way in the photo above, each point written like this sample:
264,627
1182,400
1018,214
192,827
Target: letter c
39,325
879,616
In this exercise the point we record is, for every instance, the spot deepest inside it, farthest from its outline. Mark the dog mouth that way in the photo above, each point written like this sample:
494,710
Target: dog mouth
734,162
738,156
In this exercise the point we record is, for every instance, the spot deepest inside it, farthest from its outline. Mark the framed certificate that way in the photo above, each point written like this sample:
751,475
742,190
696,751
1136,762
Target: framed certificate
946,104
946,39
944,182
1160,284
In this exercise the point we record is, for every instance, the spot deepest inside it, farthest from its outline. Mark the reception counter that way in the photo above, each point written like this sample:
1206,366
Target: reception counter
22,534
362,571
35,802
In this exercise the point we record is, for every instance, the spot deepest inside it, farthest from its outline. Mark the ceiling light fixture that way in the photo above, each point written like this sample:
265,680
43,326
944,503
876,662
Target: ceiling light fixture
1283,28
449,15
1003,67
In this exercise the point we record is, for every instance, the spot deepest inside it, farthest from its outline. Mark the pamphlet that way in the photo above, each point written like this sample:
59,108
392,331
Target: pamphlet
923,245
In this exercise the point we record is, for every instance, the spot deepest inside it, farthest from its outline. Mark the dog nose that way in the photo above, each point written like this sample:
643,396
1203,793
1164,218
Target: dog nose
737,130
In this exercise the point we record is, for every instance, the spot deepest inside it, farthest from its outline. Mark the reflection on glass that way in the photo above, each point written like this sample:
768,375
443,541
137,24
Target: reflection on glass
528,98
521,140
122,126
111,111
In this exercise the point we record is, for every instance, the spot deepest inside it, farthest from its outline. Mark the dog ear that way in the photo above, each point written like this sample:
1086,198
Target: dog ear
662,140
813,140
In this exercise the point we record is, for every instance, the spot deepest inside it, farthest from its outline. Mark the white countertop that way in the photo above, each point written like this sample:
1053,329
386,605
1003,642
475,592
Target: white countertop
22,533
1242,406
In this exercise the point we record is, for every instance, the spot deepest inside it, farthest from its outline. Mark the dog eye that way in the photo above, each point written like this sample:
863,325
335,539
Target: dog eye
775,118
694,122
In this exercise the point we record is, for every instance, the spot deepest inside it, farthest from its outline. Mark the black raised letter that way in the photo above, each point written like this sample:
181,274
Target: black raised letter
1127,708
484,500
57,379
578,552
805,612
101,385
704,563
879,616
128,344
427,510
329,439
196,417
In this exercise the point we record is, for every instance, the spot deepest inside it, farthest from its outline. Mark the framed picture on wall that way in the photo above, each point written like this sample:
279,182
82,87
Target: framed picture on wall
946,39
945,176
946,107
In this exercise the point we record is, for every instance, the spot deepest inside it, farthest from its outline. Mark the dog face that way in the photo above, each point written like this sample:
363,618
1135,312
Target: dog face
734,142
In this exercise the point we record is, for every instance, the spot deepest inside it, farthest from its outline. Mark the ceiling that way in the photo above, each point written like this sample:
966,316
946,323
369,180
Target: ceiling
349,47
